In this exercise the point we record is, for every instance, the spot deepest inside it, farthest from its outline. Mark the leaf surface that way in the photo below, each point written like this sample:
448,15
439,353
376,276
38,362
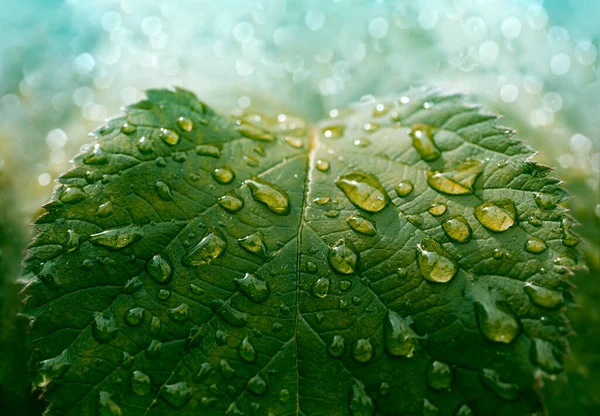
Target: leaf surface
405,256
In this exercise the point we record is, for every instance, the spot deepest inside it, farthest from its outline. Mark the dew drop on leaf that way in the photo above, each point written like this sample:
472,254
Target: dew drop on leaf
422,140
134,316
203,372
464,410
429,409
404,188
209,248
457,229
196,290
345,285
333,131
322,165
322,200
362,225
439,375
226,370
458,181
491,379
246,351
176,395
163,294
154,349
105,209
232,316
163,190
104,326
363,190
546,201
435,264
320,288
535,245
140,383
294,142
185,124
332,213
360,402
337,347
118,238
343,257
275,198
255,289
545,298
254,243
497,325
231,203
311,267
208,150
179,313
128,128
498,216
169,136
107,406
72,241
145,145
384,389
257,385
72,195
223,175
543,355
437,209
159,269
54,368
362,351
570,239
400,339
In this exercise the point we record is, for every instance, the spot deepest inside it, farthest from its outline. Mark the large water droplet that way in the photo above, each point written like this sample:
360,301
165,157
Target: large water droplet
105,209
159,269
134,316
257,385
254,243
491,379
458,229
360,402
400,339
255,133
226,370
212,246
255,289
546,298
118,238
439,375
495,324
437,209
231,203
104,326
535,245
185,124
140,383
169,136
275,198
363,190
107,406
422,139
208,150
163,191
404,188
246,351
72,195
498,216
543,355
223,175
362,351
179,313
343,257
546,201
177,395
435,264
321,287
337,347
56,367
362,225
457,181
429,409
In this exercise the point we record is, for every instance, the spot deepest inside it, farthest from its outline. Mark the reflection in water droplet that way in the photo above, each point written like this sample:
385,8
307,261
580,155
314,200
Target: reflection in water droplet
458,181
257,385
362,351
439,375
275,198
223,175
212,246
246,351
176,395
535,245
140,383
322,165
337,347
134,316
104,326
422,139
497,325
169,136
254,243
362,225
231,203
185,124
545,298
321,287
363,190
208,150
543,354
435,264
72,195
491,379
437,209
105,209
360,402
497,217
429,409
458,229
255,289
159,269
179,313
400,339
343,257
163,190
404,188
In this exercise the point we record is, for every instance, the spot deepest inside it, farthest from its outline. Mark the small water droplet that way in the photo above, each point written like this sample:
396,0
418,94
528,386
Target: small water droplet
362,225
72,195
343,304
363,190
185,124
106,406
333,131
257,385
535,245
140,383
356,300
345,285
457,229
464,410
255,133
337,347
498,216
72,241
360,402
104,326
362,351
226,370
343,257
208,150
231,203
96,156
536,222
203,372
54,368
260,150
295,142
384,389
179,313
161,162
400,339
422,139
169,136
435,264
159,269
458,181
380,110
543,354
570,239
176,395
404,188
128,128
163,190
134,316
497,325
255,289
322,200
284,395
322,165
546,201
437,209
246,351
145,145
371,127
196,290
545,298
105,209
223,175
275,198
332,213
415,219
439,375
429,409
491,379
212,246
321,287
311,267
254,243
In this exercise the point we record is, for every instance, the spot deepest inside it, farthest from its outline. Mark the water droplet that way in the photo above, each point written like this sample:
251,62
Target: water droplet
212,246
72,241
439,375
223,175
311,267
105,209
295,142
96,157
362,225
163,190
384,389
134,316
231,203
106,406
332,213
356,300
546,201
545,298
498,216
435,264
343,257
334,131
437,209
251,160
145,145
497,325
322,200
179,313
570,239
543,355
56,367
254,243
208,150
232,316
169,136
128,128
275,198
362,351
535,245
161,162
104,326
400,339
155,325
246,351
380,110
343,304
363,190
284,395
140,383
464,410
185,124
159,269
322,165
491,380
429,409
128,360
457,181
337,347
177,395
404,188
226,370
536,222
221,337
371,127
257,385
255,289
345,285
457,229
401,273
196,290
422,139
254,133
72,195
154,349
321,287
360,402
205,370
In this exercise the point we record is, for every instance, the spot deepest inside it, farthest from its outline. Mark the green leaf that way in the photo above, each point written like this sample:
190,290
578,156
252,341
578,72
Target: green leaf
406,256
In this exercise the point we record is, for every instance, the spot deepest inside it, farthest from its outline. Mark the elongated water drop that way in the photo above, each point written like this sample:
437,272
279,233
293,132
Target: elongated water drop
570,239
337,347
458,229
362,351
163,190
295,142
546,298
322,200
535,245
255,289
169,136
203,372
363,190
140,383
254,243
321,287
422,139
360,402
208,150
435,264
134,316
231,203
491,379
159,269
458,181
257,385
105,209
185,124
404,188
117,239
362,225
155,325
543,354
343,257
179,313
176,395
439,375
275,198
333,131
497,325
546,201
212,246
400,339
196,290
104,326
496,216
223,175
232,316
246,351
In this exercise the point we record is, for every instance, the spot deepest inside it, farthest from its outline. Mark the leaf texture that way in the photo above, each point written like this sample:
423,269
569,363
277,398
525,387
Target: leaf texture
405,256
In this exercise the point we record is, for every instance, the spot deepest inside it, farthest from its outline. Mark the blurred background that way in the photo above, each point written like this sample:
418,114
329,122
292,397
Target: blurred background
67,65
